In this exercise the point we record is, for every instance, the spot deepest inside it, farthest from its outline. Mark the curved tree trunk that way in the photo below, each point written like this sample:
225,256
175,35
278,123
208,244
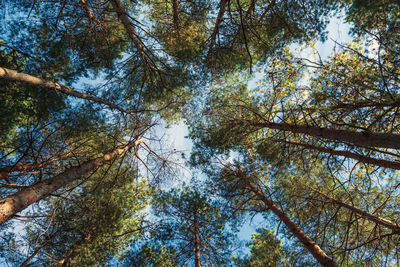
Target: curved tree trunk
309,243
14,75
17,202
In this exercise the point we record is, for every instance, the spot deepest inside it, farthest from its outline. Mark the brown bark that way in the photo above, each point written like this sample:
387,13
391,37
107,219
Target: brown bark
14,75
371,217
220,17
361,158
72,252
175,10
196,241
124,18
17,202
307,241
12,185
362,139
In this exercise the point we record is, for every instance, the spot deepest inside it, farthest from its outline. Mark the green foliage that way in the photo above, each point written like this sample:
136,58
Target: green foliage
151,256
253,35
176,67
378,16
265,250
187,211
355,88
183,34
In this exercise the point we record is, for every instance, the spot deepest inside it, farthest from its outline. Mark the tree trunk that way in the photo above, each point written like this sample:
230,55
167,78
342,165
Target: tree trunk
309,243
175,11
196,240
361,158
15,203
362,139
371,217
220,17
124,18
14,75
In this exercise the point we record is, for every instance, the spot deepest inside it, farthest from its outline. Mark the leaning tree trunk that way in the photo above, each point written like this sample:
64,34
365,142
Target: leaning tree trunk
17,202
14,75
362,139
307,241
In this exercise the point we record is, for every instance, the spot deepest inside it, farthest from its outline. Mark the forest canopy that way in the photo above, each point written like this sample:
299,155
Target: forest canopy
306,145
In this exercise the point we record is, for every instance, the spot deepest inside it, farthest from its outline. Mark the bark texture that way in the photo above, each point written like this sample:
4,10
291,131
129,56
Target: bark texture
175,10
17,202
